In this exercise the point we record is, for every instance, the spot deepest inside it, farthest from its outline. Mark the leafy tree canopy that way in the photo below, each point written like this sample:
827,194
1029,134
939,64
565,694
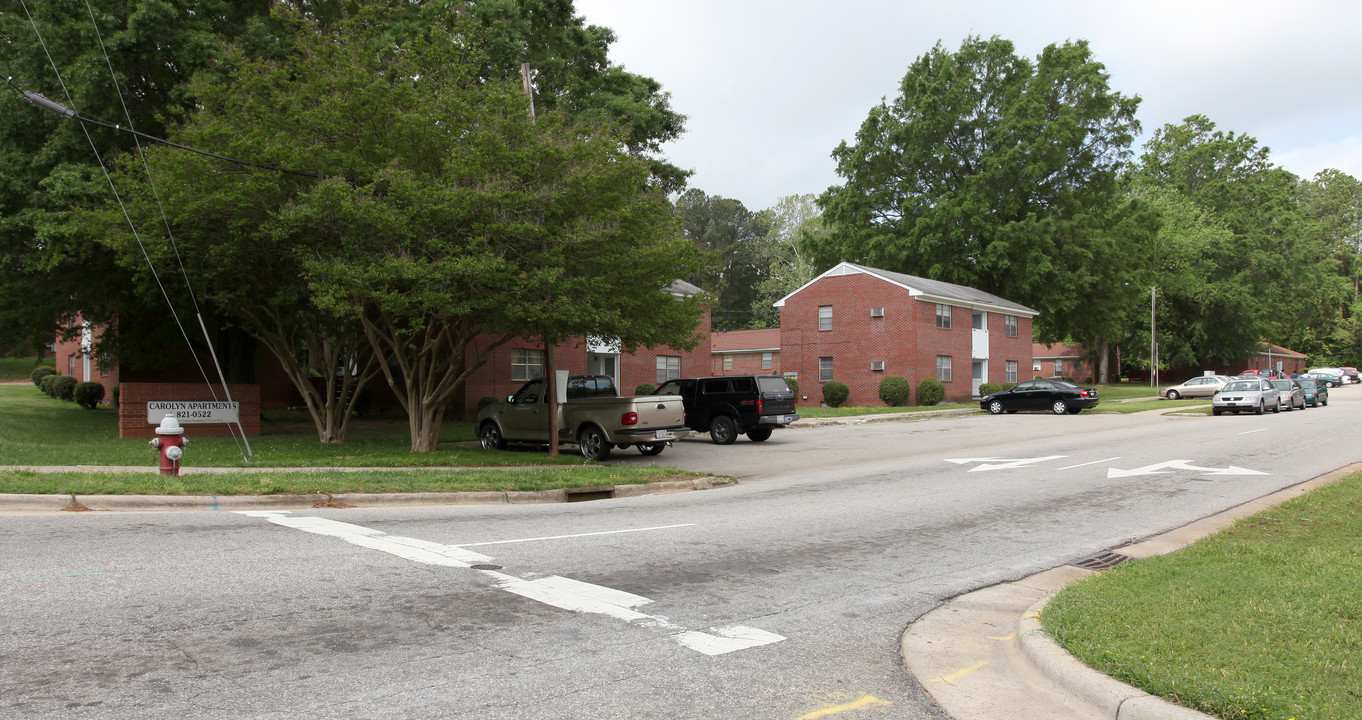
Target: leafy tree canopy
999,172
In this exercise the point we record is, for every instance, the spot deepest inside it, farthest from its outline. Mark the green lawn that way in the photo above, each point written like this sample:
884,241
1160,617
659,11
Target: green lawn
21,368
1260,621
38,430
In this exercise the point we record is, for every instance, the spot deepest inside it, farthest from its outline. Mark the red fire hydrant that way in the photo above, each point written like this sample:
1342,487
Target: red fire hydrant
171,444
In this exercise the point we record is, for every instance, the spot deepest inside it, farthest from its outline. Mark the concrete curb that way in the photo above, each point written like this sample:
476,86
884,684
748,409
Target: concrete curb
180,503
1027,674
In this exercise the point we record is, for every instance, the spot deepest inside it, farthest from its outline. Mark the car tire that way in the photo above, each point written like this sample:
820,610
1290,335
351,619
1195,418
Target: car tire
722,430
996,407
1276,409
592,443
759,434
1262,407
490,436
1059,408
1216,411
1173,395
651,448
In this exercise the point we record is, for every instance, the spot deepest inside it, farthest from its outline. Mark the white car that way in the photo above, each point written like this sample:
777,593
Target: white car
1204,386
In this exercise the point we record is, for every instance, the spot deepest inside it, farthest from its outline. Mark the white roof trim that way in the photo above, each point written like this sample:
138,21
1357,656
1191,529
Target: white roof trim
846,268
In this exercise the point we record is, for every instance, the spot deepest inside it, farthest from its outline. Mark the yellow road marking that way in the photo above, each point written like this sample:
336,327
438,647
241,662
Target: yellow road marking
1002,637
960,673
867,701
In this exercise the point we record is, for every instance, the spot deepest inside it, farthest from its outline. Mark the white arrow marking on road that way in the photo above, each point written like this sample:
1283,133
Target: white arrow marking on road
995,463
559,592
1159,469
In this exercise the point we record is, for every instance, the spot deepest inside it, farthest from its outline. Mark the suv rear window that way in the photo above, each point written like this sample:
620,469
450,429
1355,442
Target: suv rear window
773,385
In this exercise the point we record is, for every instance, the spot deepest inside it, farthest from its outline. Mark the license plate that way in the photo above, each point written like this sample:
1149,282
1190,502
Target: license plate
660,434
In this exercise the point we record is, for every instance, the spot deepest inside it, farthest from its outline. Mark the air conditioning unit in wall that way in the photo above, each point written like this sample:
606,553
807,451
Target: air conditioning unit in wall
876,312
877,366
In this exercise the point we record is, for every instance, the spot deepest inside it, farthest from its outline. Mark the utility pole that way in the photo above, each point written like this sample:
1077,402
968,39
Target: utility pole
550,376
1153,341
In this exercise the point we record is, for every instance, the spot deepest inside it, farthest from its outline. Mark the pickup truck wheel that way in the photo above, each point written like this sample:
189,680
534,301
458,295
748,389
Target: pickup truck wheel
491,438
759,434
650,448
722,430
593,444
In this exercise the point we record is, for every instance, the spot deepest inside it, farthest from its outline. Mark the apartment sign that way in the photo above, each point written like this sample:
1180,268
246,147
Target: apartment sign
190,412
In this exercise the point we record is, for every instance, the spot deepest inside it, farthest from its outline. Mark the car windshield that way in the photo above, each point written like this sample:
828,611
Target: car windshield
1282,384
1063,384
1241,386
1307,383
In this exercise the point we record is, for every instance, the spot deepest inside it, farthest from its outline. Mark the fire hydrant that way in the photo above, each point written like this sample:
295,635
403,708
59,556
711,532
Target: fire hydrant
171,444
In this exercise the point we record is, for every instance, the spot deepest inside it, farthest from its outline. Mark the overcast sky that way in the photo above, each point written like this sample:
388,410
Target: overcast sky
770,87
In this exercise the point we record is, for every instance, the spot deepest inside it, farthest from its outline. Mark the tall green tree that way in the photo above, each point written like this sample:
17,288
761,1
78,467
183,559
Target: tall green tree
737,238
1331,206
796,225
446,221
49,269
999,172
1289,272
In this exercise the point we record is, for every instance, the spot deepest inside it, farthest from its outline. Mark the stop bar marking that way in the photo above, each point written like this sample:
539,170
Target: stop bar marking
559,592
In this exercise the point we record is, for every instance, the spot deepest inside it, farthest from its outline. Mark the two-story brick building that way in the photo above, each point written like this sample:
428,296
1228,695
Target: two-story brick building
745,352
858,324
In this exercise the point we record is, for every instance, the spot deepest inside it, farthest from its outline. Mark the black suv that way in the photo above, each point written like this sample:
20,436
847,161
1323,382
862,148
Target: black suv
733,404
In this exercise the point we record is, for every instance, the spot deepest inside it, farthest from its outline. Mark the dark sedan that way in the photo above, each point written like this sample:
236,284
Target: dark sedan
1057,396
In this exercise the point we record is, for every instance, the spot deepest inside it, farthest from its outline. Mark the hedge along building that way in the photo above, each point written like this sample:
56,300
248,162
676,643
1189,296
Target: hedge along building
858,324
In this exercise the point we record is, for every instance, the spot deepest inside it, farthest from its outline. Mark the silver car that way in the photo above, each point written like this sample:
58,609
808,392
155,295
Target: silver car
1293,395
1255,395
1203,386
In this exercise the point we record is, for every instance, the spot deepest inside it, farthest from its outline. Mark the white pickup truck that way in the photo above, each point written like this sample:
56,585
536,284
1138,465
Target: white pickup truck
590,413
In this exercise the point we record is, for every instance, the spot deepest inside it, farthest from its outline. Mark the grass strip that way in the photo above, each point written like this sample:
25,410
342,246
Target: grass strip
294,482
21,368
1259,621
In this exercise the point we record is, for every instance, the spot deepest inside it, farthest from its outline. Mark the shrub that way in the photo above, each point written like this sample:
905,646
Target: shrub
41,372
895,390
794,385
88,394
835,393
46,384
930,391
990,388
645,389
64,387
1087,381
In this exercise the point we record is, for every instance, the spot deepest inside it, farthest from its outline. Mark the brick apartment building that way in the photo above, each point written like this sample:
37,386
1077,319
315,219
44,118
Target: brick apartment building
858,324
745,352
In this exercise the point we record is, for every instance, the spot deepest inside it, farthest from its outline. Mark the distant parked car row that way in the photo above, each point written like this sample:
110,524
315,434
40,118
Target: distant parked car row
1257,395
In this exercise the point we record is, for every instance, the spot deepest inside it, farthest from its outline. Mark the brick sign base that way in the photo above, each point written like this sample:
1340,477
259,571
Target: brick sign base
133,399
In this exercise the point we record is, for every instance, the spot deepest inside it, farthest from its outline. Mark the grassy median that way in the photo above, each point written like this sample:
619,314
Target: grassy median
1261,621
38,430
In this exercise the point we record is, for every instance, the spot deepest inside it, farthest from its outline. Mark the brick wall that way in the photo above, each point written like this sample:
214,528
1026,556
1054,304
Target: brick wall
70,360
745,363
133,399
905,339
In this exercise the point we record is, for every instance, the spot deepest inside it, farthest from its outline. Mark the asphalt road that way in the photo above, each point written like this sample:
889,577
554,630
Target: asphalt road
781,597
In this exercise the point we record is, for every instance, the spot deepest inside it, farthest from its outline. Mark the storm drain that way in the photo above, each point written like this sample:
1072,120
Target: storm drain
1102,561
590,493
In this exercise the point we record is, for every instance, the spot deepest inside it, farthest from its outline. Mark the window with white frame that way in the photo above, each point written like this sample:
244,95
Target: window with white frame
1059,368
526,364
728,362
1012,371
824,317
1011,325
943,368
1035,366
824,369
943,316
668,368
767,360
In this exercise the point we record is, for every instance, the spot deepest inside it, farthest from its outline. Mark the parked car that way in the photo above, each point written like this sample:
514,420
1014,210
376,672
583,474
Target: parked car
1333,377
1203,386
734,404
593,415
1057,396
1292,395
1351,374
1248,394
1316,392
